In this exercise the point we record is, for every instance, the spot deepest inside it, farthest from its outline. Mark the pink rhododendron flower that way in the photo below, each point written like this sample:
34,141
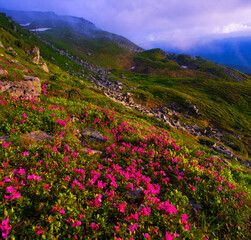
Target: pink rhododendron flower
168,236
62,211
94,226
15,195
146,235
34,177
5,228
76,223
10,189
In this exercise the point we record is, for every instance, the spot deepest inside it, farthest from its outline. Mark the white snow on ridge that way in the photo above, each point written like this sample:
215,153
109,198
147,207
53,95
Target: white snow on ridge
24,24
39,29
184,66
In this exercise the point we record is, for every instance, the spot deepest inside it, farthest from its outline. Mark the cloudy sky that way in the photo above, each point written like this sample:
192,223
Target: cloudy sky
154,23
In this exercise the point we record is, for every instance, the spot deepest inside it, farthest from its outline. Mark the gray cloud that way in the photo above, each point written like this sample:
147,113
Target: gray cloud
148,22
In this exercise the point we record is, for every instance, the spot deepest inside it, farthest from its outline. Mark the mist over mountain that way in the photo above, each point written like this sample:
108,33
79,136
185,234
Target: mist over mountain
232,51
35,20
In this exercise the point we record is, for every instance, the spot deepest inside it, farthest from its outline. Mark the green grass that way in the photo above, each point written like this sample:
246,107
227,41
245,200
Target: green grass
61,196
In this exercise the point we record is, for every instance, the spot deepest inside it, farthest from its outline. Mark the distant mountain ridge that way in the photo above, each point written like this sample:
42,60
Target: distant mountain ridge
231,51
78,25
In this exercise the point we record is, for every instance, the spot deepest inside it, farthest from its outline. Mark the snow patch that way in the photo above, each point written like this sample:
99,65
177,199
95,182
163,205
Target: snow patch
39,29
184,66
24,24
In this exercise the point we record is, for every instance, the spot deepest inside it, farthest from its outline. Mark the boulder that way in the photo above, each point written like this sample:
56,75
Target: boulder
29,88
10,49
136,195
4,138
44,67
92,135
36,55
38,136
91,151
1,45
3,72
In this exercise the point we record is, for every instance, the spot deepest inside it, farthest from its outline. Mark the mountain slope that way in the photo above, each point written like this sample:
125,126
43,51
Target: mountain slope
231,51
76,165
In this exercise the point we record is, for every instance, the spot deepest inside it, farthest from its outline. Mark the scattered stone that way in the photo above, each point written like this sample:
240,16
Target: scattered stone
93,135
222,150
195,206
4,138
44,67
239,160
13,61
10,49
136,194
38,136
36,52
29,88
91,151
3,72
74,119
1,45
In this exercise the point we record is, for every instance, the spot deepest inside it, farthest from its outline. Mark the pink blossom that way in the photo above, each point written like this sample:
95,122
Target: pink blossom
99,198
122,207
47,186
34,177
94,226
62,211
40,231
76,223
10,189
168,236
24,115
146,235
5,228
133,227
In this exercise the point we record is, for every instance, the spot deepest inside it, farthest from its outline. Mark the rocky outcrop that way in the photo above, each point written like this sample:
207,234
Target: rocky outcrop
37,59
11,50
1,45
29,88
222,150
3,72
92,135
44,67
35,52
38,136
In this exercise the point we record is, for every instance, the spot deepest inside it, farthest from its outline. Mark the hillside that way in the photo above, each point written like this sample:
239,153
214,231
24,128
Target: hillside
229,51
76,164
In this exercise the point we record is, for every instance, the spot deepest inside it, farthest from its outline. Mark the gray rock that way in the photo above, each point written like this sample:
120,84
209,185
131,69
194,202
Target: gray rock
136,193
38,136
3,72
29,88
4,138
93,135
1,45
193,204
74,119
92,152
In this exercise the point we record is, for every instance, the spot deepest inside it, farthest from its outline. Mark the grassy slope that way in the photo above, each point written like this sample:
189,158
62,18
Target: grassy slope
222,101
102,52
170,165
